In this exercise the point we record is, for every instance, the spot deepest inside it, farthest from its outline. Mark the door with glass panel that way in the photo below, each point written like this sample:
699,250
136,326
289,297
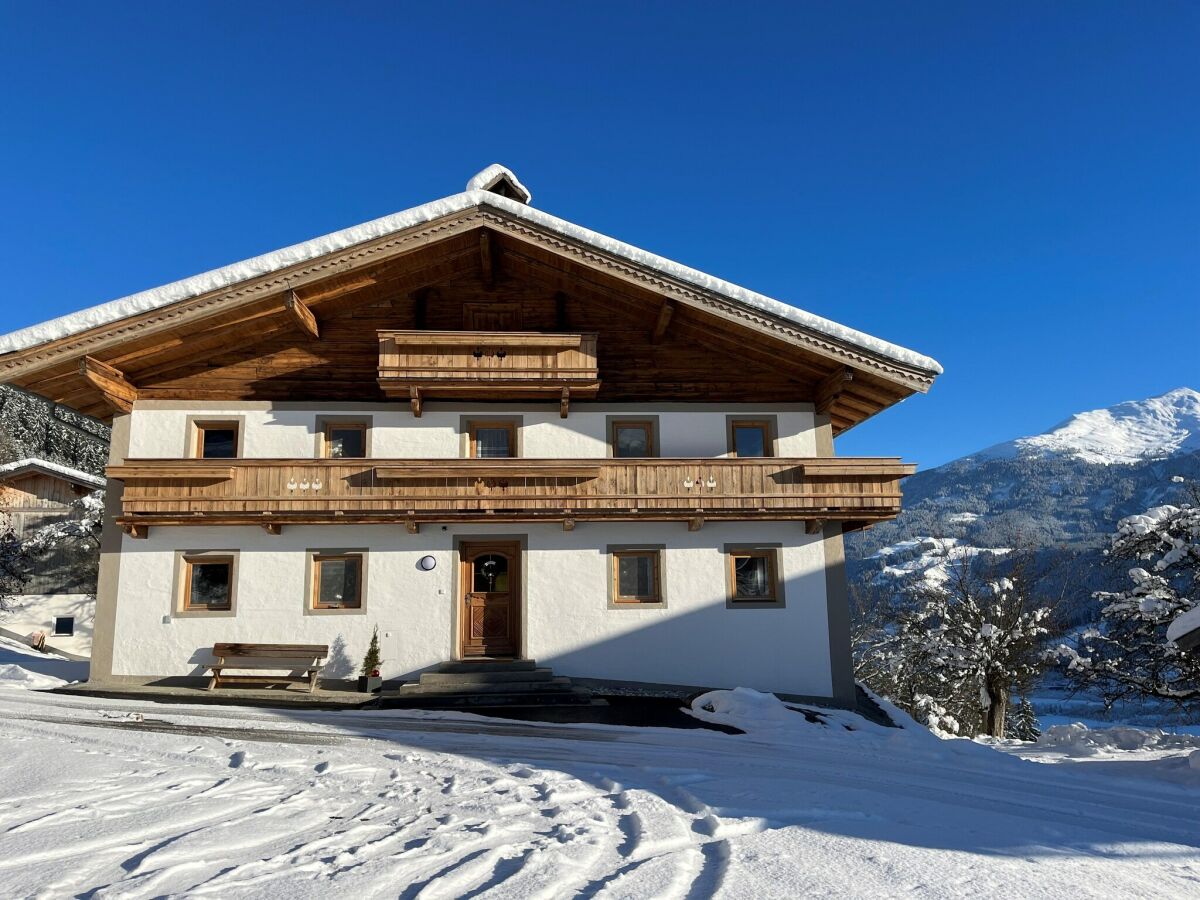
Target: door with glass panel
491,599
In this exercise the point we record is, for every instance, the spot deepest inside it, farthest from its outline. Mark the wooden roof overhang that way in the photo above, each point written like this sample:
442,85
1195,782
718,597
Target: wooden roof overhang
308,331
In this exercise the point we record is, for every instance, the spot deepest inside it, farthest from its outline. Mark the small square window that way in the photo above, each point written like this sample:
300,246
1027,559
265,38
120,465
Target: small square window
337,581
750,438
346,441
753,577
208,583
631,440
493,440
635,577
217,440
64,626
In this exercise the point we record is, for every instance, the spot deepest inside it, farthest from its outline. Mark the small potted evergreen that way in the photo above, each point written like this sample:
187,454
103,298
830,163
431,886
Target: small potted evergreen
369,679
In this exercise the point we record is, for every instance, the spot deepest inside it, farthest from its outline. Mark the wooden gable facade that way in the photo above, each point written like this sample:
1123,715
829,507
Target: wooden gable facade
312,331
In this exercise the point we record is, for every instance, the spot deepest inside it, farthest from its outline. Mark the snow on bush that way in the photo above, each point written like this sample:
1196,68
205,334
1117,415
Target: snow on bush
12,676
1077,739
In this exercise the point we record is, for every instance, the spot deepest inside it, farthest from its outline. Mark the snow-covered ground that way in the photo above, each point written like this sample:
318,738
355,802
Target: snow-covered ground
23,667
129,799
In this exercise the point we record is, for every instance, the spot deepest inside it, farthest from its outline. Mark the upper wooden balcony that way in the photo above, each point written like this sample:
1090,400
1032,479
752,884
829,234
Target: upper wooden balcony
278,492
487,365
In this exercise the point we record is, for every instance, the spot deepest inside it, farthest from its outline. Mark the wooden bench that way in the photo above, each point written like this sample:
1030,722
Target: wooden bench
309,658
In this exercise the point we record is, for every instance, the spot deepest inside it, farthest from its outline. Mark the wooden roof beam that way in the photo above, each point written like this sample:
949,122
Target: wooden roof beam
665,312
487,260
831,388
111,383
302,315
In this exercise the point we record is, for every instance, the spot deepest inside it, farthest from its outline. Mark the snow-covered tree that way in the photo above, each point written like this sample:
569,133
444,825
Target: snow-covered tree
1023,725
1125,653
960,645
77,538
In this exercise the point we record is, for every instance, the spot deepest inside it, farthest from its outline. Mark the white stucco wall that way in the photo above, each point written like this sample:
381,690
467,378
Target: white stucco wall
37,612
280,431
695,640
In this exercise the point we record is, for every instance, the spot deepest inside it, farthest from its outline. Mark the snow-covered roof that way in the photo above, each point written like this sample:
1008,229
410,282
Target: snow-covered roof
475,196
1185,629
21,466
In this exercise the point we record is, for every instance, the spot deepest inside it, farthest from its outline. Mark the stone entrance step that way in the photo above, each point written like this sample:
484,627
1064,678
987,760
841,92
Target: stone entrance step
487,683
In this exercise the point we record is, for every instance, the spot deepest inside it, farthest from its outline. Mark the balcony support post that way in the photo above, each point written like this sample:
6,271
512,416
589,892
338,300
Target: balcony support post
695,523
568,524
564,404
414,400
412,526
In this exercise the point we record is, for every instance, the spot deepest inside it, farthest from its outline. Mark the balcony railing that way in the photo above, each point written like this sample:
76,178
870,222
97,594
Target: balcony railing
276,492
417,365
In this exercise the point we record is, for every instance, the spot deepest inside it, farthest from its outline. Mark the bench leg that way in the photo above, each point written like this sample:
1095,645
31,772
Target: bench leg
215,679
312,681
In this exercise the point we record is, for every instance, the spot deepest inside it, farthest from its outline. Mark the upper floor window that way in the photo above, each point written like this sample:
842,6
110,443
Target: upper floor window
492,440
632,439
750,437
345,440
217,440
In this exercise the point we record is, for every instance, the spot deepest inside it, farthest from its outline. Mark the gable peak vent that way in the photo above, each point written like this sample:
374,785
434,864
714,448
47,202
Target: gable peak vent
500,180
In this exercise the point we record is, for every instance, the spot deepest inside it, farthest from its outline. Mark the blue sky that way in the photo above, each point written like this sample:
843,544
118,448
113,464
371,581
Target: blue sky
1013,189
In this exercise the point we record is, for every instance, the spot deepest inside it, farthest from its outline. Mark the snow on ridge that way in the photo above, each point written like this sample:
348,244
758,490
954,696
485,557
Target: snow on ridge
1129,432
67,471
927,559
486,179
226,276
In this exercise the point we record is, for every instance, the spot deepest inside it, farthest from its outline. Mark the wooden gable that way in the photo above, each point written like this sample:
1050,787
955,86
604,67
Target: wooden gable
310,332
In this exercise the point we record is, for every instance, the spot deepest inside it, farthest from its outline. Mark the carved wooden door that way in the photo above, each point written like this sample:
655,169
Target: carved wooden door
491,599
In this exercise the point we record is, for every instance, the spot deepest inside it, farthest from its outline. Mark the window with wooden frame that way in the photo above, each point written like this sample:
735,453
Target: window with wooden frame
750,438
636,577
754,577
492,440
216,440
337,580
632,439
207,583
344,440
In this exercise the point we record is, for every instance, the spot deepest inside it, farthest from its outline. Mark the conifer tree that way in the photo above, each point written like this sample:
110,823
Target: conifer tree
372,661
1024,725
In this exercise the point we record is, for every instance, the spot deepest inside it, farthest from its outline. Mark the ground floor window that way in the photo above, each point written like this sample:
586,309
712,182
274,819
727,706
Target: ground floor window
208,582
753,576
636,576
64,626
337,580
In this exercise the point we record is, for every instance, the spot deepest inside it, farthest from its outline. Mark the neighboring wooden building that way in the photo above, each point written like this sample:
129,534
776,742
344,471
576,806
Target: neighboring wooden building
59,601
489,432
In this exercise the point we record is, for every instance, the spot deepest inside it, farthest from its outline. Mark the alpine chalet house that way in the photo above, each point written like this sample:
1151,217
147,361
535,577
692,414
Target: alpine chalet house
493,435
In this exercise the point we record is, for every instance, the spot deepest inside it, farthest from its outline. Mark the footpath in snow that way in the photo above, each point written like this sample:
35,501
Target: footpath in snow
107,798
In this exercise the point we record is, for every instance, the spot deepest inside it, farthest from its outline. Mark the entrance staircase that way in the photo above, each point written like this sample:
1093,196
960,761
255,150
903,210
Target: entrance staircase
487,683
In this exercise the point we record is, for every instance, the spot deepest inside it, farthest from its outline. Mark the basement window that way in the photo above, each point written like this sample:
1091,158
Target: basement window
64,626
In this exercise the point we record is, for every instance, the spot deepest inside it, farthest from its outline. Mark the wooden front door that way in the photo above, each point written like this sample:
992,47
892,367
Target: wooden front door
491,598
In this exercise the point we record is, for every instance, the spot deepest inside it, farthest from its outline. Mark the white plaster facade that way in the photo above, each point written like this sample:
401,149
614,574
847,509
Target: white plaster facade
568,623
31,613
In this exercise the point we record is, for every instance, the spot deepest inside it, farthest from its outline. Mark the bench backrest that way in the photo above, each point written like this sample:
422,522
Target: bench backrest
271,651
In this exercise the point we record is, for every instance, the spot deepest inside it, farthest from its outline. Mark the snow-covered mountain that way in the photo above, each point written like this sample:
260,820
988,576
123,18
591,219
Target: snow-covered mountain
1061,491
1130,432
